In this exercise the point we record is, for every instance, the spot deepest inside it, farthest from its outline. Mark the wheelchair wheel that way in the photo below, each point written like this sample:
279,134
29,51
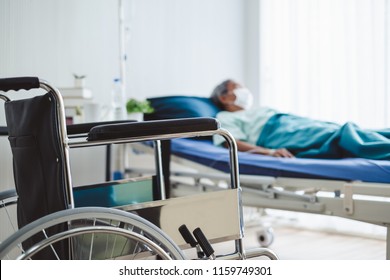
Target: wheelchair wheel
8,201
90,233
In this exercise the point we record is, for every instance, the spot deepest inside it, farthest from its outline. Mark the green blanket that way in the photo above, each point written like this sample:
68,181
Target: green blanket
310,138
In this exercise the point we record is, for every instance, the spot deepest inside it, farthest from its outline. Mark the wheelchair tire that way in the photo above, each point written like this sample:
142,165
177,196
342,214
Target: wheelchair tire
92,233
8,202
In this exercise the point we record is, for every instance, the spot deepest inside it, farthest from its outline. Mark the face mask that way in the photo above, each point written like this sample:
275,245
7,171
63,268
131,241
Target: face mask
244,98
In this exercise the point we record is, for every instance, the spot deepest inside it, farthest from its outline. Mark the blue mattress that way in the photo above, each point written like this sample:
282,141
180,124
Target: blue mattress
349,169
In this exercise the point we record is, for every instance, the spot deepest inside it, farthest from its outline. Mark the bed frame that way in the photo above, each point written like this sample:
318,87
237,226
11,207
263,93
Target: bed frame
357,200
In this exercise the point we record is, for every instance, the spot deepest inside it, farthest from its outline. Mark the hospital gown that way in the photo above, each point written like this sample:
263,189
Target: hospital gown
308,138
244,125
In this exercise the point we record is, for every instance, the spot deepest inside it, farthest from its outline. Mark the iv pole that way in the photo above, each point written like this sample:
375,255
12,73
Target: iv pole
120,151
122,47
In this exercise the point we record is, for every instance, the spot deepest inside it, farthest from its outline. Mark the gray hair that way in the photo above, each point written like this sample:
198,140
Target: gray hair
218,91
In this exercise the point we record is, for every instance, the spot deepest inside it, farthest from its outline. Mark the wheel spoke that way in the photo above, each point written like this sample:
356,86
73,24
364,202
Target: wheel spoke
90,233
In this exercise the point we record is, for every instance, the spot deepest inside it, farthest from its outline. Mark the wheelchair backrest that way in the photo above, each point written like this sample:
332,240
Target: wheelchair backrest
37,157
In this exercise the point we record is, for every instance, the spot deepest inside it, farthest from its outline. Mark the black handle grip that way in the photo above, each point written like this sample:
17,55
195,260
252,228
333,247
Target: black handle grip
19,83
203,242
3,131
187,236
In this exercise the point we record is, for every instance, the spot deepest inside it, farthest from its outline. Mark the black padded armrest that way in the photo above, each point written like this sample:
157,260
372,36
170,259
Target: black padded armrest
81,128
152,128
3,131
74,129
8,194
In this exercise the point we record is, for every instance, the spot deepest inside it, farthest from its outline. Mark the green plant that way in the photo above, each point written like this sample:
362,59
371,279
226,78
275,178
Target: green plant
134,106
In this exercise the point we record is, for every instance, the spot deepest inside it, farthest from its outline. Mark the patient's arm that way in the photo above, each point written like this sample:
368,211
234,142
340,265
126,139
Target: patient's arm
243,146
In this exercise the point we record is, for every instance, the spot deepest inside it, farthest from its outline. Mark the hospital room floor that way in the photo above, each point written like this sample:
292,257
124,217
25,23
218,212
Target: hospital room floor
297,243
292,242
300,244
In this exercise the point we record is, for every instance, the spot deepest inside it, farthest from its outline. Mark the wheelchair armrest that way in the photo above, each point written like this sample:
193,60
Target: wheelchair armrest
152,128
74,129
82,128
8,194
3,131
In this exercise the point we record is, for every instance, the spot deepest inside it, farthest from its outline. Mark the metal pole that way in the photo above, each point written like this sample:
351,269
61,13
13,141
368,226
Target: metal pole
122,47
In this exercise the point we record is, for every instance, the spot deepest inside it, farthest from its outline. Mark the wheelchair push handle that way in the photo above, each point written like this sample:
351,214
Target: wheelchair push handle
19,83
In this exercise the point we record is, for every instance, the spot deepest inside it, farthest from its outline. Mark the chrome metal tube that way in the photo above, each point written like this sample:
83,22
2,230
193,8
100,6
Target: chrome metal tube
160,177
258,252
63,136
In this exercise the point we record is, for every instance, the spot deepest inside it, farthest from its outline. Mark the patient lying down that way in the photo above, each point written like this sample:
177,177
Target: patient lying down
268,132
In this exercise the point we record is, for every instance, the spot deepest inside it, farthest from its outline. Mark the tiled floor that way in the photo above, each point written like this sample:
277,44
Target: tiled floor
299,236
301,244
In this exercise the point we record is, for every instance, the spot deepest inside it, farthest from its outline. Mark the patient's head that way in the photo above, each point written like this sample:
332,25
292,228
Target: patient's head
231,96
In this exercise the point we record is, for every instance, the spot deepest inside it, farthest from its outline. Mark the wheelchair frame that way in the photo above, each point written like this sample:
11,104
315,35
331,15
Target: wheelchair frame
153,238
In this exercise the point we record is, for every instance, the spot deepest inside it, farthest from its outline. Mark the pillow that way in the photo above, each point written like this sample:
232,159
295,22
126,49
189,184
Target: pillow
174,107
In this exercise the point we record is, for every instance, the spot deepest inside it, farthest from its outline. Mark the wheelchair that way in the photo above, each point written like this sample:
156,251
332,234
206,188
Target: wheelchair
54,222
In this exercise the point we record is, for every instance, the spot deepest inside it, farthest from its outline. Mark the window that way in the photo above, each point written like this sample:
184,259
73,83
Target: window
326,59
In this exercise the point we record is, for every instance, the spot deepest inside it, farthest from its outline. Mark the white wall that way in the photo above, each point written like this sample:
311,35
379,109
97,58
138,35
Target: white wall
172,47
54,39
184,47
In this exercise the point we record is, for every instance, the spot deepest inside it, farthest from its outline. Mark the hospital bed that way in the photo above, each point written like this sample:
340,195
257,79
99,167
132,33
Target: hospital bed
121,219
351,188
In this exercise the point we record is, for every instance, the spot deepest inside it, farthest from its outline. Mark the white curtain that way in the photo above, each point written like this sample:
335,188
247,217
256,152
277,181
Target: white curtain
326,59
